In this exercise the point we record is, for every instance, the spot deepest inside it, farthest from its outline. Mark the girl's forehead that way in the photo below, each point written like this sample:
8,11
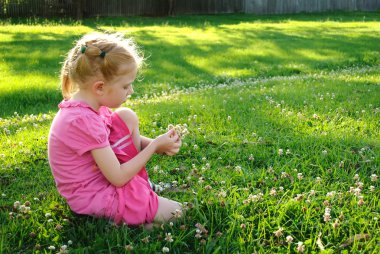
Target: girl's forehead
127,68
126,77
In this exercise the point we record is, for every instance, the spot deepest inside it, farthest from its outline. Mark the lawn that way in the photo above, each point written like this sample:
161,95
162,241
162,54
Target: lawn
283,152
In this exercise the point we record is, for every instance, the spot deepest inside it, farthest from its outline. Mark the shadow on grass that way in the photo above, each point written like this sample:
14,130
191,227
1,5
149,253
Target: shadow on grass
181,60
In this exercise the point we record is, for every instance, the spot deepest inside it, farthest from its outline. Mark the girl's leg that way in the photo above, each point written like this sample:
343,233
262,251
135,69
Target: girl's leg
168,210
131,120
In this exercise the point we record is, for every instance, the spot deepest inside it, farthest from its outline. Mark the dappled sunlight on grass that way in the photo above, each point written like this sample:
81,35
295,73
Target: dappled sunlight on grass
186,50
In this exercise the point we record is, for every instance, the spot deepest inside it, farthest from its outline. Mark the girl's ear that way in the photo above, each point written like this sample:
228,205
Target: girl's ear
98,87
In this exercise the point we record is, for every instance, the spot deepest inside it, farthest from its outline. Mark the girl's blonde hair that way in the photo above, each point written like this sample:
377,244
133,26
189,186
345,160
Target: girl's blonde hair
97,55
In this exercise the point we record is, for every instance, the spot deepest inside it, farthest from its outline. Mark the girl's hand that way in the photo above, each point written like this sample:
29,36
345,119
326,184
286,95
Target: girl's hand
167,143
175,151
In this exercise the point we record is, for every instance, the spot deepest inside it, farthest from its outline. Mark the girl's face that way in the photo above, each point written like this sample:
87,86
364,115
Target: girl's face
117,91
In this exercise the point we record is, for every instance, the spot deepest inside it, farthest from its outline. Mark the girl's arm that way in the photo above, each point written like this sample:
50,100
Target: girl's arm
145,141
118,175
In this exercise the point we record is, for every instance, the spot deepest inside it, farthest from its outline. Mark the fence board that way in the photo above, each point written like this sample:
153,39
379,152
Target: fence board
296,6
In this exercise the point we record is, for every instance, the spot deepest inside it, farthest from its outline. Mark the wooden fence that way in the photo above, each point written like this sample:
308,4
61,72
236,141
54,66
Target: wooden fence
93,8
296,6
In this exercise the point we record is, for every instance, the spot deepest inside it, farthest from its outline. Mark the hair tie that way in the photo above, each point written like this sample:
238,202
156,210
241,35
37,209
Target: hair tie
102,54
83,49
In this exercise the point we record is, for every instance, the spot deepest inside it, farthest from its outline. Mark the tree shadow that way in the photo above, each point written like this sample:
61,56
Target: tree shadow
178,59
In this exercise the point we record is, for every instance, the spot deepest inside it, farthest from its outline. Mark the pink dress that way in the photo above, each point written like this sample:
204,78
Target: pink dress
76,130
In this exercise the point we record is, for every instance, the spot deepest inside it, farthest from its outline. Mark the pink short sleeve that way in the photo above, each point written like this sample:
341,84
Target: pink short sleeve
85,134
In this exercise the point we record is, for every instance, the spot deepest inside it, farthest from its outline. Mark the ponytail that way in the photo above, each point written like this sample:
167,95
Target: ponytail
66,84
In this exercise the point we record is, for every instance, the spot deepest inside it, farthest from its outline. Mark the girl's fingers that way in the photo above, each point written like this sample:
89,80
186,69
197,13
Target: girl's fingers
171,133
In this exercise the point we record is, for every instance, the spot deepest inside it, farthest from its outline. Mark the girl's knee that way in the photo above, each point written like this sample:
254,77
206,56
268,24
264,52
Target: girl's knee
129,117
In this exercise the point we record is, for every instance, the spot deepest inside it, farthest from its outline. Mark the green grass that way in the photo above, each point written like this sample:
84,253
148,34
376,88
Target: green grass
247,87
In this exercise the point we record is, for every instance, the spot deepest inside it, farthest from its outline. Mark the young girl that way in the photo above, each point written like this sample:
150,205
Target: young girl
98,156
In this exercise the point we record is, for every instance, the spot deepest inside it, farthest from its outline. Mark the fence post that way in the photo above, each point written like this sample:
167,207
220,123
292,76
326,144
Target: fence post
79,4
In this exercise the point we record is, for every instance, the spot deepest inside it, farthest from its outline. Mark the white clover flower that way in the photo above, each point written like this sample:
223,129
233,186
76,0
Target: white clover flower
196,147
324,152
3,195
251,158
318,179
299,176
238,169
129,247
356,177
300,247
357,191
280,152
16,204
47,215
374,178
359,185
222,194
22,208
168,237
288,152
273,192
69,242
279,232
229,118
145,239
51,247
298,197
165,249
50,220
372,188
331,194
327,215
289,239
